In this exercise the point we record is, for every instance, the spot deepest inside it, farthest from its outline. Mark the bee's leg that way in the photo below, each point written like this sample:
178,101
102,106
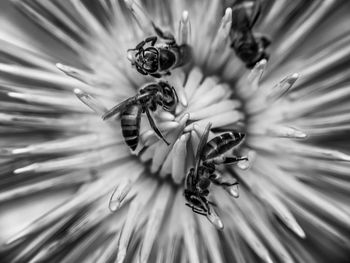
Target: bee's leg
139,46
153,125
222,159
151,40
229,184
196,210
232,160
156,75
212,203
199,212
165,35
263,40
189,180
140,70
217,178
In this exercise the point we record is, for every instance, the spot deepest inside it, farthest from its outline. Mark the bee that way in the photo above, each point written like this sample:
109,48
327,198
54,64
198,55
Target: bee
148,99
209,154
248,47
157,59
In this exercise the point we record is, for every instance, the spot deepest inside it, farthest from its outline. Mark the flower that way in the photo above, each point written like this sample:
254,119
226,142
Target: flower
292,204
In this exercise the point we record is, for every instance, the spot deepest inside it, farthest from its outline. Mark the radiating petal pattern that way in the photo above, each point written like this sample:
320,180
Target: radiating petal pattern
63,64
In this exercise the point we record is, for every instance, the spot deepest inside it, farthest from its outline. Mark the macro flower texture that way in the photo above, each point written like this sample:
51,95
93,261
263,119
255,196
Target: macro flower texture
72,189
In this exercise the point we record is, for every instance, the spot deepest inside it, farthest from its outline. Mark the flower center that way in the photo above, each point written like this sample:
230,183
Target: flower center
201,100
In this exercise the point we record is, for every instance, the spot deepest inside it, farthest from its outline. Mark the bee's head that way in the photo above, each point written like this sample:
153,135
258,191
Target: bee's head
169,97
199,203
145,61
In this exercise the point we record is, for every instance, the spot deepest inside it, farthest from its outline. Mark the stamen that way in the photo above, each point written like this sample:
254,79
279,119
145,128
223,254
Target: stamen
10,48
214,109
216,94
162,149
167,165
232,190
249,85
184,29
315,102
60,181
256,73
197,87
119,194
78,161
246,164
207,102
65,102
148,154
63,146
133,218
268,96
226,119
90,21
286,132
154,222
141,16
179,159
215,219
212,241
148,137
165,116
252,239
78,74
87,195
189,232
271,121
279,208
282,88
300,29
223,32
194,79
167,125
108,251
44,22
36,76
305,194
91,102
314,151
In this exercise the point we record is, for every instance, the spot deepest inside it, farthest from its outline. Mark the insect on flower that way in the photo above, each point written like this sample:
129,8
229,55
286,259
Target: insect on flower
157,59
249,47
198,180
148,98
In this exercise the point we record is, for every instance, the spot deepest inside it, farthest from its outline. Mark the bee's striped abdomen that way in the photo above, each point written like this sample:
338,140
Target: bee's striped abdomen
221,144
130,122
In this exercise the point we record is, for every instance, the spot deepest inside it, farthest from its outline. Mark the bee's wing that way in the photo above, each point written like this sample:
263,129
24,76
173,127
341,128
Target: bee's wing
245,14
254,12
201,145
119,107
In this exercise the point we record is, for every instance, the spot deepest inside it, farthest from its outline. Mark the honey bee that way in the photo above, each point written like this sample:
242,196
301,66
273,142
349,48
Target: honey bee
158,59
248,47
148,98
209,154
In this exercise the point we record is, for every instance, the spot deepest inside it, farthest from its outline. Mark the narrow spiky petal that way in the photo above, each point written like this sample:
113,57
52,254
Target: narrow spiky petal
286,202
